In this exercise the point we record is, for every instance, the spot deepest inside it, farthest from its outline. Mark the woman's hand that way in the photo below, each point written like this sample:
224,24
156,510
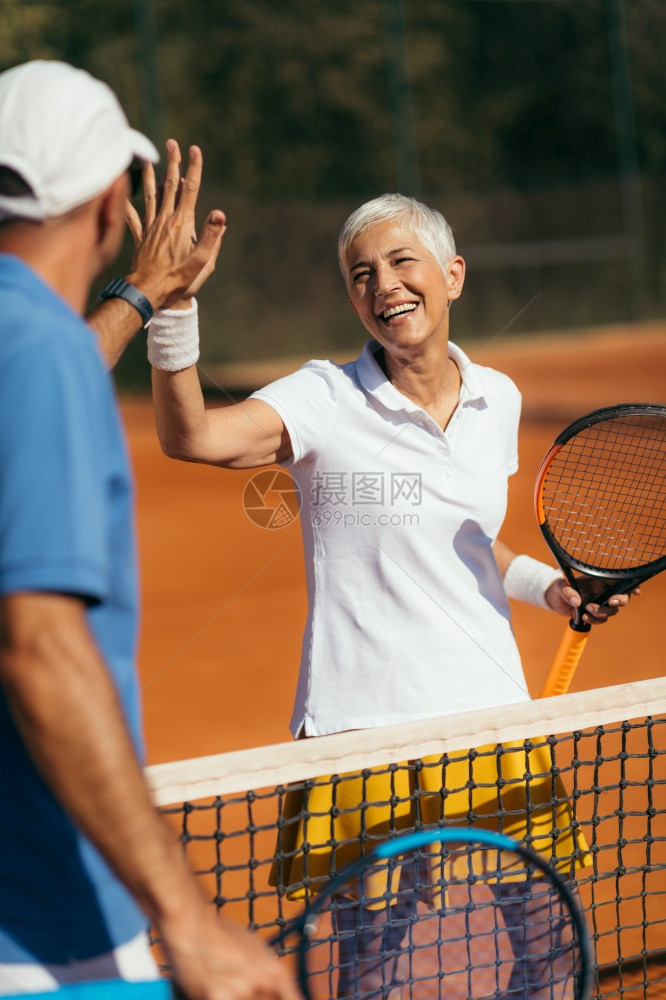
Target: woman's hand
170,264
564,600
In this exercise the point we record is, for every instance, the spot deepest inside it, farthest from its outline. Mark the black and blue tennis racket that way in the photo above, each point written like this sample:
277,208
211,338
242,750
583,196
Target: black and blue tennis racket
106,989
442,914
454,913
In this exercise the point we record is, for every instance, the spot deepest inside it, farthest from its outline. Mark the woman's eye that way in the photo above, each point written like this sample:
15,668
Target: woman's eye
360,276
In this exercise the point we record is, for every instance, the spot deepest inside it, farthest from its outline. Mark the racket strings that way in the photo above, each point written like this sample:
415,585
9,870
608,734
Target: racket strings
604,490
467,927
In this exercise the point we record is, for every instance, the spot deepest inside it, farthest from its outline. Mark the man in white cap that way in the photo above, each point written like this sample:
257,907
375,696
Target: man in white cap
85,860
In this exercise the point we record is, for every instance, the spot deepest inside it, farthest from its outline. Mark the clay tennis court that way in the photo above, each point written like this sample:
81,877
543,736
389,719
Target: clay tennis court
224,600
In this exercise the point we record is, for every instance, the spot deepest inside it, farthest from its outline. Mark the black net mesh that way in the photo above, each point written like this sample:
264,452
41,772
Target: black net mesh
592,802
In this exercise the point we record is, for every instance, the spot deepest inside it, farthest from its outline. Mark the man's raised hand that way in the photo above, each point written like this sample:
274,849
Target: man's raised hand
170,262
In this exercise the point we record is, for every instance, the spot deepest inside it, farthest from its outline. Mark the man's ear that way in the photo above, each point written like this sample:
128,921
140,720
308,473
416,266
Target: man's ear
110,219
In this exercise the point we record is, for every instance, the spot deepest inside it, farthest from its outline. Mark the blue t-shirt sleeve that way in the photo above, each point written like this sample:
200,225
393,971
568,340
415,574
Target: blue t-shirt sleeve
52,530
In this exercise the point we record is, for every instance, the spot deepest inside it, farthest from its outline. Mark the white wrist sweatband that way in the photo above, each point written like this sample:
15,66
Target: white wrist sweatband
527,580
173,338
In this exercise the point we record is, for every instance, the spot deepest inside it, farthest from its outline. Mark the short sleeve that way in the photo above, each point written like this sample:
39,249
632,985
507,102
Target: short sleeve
52,441
307,402
513,408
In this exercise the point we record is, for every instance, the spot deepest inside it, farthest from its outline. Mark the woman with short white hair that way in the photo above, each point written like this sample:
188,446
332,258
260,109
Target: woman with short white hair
402,458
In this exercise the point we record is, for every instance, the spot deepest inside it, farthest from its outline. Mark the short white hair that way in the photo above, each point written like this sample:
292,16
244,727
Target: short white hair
429,225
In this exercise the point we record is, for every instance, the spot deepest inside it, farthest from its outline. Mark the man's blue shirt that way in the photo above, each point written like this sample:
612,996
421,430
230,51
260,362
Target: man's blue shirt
66,526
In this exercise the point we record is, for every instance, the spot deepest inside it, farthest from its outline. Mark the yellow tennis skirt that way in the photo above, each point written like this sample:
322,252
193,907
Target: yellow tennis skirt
512,787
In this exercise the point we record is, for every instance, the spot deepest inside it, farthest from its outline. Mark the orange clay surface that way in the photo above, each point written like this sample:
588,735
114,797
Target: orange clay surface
224,600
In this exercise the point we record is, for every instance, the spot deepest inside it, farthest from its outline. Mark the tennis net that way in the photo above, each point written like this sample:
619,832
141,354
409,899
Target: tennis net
581,778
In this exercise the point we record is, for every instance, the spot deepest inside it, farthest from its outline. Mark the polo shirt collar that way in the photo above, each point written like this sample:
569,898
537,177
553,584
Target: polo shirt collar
374,381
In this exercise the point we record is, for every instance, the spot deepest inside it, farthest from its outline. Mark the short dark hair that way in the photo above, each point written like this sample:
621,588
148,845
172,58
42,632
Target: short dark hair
12,184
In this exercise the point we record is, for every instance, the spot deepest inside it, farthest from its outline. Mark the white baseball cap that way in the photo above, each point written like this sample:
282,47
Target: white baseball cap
65,134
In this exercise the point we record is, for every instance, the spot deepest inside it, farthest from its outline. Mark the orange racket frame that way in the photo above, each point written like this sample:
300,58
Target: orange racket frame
616,490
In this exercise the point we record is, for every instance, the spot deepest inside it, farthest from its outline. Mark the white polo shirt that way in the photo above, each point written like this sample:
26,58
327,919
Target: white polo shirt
408,617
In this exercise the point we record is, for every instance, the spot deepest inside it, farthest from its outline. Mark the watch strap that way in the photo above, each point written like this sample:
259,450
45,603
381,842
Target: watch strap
119,288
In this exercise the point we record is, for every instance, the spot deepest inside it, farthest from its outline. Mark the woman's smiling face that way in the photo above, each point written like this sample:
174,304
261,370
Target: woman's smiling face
397,287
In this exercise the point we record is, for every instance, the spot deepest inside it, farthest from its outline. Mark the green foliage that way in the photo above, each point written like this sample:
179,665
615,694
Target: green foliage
290,98
298,112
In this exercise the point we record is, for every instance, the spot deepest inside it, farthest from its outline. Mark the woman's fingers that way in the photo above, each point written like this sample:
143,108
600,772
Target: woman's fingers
189,191
149,195
199,264
171,184
134,223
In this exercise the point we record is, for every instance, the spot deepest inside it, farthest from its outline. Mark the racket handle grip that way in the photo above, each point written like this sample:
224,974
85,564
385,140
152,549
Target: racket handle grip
565,663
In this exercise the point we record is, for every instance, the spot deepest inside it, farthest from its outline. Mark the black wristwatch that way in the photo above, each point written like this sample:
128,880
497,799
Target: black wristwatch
121,289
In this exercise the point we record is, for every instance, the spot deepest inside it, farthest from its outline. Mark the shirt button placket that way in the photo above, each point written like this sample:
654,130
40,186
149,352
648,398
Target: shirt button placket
445,451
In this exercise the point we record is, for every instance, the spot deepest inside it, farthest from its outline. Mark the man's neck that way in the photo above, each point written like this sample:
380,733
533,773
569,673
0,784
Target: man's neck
61,257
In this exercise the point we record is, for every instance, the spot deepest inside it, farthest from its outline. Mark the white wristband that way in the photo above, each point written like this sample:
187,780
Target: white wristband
527,579
173,338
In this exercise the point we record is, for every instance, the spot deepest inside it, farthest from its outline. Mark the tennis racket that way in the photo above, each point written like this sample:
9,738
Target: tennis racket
601,504
106,989
455,913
